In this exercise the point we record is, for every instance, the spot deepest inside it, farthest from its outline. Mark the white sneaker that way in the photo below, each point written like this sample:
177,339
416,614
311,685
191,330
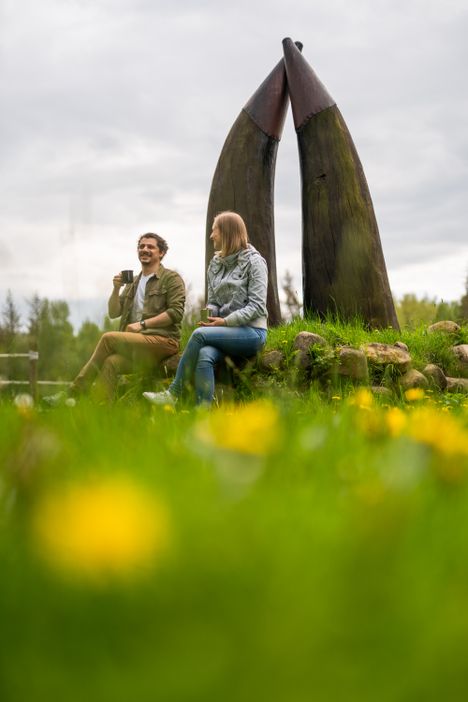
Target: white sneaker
160,398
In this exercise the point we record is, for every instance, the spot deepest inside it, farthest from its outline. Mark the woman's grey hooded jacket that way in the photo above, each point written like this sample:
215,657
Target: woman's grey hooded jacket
237,288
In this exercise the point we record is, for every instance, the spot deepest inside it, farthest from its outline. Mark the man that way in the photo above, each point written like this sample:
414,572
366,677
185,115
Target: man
150,310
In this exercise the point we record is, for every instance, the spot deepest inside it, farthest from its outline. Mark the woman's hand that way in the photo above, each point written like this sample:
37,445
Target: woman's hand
214,322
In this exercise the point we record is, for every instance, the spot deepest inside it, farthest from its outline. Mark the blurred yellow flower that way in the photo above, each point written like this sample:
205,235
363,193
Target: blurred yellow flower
108,527
443,432
252,429
369,423
415,394
395,421
362,398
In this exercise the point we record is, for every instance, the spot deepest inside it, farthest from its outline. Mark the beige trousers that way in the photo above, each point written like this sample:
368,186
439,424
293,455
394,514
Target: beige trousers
121,352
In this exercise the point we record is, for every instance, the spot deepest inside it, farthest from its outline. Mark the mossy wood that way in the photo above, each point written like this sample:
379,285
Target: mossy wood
343,264
245,174
244,182
344,270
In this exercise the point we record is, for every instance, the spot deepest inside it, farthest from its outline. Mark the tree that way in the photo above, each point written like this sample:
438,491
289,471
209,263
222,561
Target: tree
464,303
447,310
51,333
85,342
413,312
292,301
10,322
35,305
10,341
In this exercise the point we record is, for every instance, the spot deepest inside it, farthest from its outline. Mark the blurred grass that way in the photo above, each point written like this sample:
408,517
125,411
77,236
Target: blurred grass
331,566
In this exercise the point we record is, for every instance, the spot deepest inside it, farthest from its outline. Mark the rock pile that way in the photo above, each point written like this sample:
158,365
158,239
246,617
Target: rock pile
314,358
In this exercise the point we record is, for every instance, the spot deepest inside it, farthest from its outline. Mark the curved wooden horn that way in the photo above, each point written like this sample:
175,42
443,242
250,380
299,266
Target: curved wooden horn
344,269
244,177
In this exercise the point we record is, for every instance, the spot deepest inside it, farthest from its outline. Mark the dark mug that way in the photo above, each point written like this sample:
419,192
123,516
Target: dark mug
127,277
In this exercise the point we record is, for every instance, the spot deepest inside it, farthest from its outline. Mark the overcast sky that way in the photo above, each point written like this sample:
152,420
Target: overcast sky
113,114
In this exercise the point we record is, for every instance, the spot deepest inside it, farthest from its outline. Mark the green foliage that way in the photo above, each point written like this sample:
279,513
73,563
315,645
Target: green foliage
433,348
10,341
412,312
464,304
332,564
49,331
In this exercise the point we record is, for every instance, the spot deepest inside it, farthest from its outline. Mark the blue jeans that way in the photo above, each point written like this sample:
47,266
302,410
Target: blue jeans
206,347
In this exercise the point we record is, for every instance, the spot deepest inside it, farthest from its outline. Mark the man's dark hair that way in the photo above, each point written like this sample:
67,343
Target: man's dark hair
162,243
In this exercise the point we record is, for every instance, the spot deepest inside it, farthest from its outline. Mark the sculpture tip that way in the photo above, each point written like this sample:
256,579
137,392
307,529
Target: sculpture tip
268,105
308,94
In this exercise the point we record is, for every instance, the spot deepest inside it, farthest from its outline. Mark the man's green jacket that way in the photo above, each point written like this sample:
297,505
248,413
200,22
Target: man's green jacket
164,292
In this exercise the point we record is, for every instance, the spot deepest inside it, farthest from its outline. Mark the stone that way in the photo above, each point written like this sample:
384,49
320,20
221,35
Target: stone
457,385
401,345
381,390
413,379
352,363
461,353
435,376
302,360
272,360
444,327
385,355
304,340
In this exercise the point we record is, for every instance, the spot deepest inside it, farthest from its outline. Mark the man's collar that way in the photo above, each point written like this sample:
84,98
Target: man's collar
156,275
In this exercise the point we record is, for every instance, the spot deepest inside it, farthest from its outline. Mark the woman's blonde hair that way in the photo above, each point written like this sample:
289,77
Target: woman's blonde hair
233,232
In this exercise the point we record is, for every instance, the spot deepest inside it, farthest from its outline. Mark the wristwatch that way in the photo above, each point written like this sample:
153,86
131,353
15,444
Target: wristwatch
142,323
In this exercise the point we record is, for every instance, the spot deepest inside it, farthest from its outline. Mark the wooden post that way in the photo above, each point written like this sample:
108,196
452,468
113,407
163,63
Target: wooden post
33,359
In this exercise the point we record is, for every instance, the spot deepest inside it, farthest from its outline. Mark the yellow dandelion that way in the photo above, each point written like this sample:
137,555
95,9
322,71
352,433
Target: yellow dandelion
415,394
252,429
109,527
169,409
369,423
362,398
443,432
395,421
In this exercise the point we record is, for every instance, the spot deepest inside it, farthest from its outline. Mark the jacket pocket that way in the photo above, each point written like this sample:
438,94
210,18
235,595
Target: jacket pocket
156,302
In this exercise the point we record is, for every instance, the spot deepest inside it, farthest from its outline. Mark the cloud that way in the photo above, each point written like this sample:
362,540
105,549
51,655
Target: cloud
117,110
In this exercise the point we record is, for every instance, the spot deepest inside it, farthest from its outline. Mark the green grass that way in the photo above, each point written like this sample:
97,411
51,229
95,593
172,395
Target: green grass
332,566
329,565
424,348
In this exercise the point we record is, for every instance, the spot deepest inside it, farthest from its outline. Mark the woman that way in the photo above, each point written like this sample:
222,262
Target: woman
237,288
